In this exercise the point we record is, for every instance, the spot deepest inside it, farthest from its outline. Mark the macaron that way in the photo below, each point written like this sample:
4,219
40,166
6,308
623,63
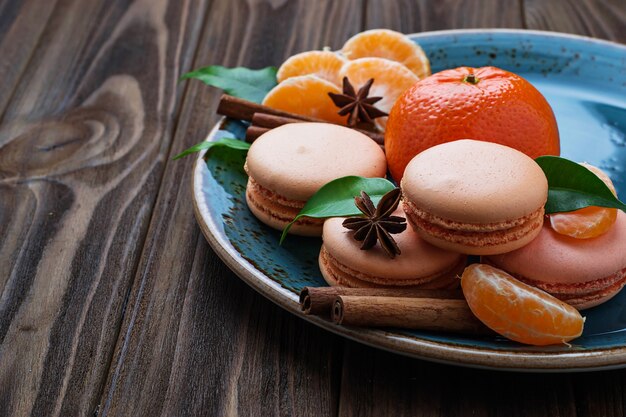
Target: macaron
419,265
581,272
475,197
288,164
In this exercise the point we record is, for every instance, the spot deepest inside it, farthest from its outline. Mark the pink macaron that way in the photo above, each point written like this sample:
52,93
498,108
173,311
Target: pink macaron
581,272
420,265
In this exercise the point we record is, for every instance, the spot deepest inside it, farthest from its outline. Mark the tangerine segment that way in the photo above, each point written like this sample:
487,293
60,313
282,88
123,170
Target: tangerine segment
516,310
391,79
324,64
306,95
384,43
587,222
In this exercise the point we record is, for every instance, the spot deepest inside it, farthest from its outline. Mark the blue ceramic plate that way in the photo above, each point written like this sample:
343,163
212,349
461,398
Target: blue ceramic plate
585,82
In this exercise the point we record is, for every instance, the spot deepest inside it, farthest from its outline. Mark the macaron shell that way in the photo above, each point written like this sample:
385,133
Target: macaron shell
296,159
559,259
475,182
418,258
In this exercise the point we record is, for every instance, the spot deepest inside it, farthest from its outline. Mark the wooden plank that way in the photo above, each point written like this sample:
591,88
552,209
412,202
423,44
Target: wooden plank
376,383
82,153
409,16
598,18
21,26
195,339
599,393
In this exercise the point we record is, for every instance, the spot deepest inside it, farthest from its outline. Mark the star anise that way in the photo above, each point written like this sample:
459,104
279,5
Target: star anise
358,105
378,224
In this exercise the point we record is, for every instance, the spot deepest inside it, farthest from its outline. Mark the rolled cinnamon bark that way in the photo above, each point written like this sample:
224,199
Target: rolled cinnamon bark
434,314
319,300
241,109
253,132
238,108
271,121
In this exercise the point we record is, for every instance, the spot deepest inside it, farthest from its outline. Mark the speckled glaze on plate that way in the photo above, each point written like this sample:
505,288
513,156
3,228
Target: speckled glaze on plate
584,80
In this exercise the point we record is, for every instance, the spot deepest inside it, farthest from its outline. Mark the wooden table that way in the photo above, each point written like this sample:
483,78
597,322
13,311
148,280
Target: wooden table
111,301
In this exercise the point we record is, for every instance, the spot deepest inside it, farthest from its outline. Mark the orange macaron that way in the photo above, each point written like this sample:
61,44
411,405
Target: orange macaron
581,272
288,164
419,265
475,197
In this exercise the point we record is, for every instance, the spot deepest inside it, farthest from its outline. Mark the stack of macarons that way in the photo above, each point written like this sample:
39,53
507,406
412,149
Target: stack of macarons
487,199
461,198
288,164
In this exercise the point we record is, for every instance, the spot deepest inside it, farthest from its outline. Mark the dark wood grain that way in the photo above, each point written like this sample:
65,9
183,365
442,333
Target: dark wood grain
409,16
82,147
605,19
194,336
21,26
111,301
376,383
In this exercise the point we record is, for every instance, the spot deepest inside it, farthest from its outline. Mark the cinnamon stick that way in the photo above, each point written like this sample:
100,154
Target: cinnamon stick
271,121
253,132
319,300
409,313
241,109
238,108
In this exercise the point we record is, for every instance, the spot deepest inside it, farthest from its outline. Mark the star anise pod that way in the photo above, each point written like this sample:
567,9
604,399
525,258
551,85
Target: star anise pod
358,105
377,224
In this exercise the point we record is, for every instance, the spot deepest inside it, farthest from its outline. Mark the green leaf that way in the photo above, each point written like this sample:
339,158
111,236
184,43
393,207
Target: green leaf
240,82
336,199
224,142
572,186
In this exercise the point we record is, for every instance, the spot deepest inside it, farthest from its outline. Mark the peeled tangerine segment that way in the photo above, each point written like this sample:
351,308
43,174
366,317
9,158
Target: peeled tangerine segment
324,64
391,79
587,222
584,223
306,95
388,44
518,311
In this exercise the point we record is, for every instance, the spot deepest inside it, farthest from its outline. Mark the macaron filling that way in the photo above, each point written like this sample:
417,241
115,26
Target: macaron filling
468,234
269,195
575,294
343,275
276,206
595,298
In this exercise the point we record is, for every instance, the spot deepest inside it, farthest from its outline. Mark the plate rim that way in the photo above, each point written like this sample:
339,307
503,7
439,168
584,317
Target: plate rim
532,32
591,359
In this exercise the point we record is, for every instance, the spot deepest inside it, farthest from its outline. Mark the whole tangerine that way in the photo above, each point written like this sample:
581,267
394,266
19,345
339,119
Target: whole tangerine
487,103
